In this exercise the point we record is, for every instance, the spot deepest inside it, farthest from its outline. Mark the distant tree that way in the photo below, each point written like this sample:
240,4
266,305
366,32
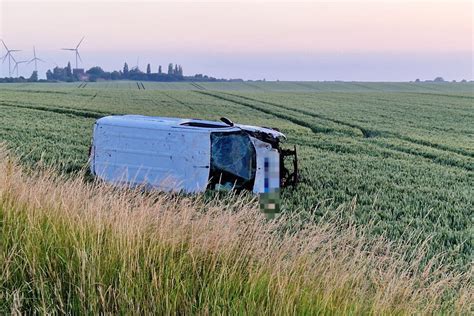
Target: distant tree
176,72
49,75
34,77
115,75
68,70
134,70
180,71
136,74
463,81
170,69
97,71
439,79
148,69
125,70
417,80
59,74
159,70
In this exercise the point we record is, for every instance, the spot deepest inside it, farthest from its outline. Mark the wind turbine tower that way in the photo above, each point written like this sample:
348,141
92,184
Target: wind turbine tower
10,57
76,50
16,65
35,59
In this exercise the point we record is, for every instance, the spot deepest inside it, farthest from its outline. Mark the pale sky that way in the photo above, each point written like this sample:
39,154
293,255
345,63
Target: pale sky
307,40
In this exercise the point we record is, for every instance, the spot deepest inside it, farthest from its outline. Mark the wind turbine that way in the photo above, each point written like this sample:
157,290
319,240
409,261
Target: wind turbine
35,59
10,57
16,65
76,50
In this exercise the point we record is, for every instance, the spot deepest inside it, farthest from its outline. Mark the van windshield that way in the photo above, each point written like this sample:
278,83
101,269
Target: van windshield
233,160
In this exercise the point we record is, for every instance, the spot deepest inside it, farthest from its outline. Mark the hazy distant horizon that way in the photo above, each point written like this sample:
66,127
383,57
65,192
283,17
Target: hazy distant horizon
358,40
327,67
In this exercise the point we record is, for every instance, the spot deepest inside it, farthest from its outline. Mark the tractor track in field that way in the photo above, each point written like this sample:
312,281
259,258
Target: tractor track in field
366,132
71,93
38,91
198,86
469,166
296,121
253,86
434,145
306,85
365,86
176,100
425,87
443,95
67,111
433,158
140,85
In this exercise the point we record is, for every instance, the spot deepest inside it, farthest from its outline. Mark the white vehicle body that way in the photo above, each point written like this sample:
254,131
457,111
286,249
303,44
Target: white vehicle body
187,155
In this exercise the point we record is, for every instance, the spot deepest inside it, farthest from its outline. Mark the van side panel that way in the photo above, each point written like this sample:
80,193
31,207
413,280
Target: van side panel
170,160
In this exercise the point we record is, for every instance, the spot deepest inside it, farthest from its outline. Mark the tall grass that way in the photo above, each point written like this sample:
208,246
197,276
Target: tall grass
68,246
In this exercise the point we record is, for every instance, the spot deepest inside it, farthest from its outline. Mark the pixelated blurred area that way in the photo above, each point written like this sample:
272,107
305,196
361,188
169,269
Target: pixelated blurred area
270,203
270,199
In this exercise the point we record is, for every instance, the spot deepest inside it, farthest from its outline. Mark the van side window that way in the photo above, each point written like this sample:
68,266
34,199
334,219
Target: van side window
233,160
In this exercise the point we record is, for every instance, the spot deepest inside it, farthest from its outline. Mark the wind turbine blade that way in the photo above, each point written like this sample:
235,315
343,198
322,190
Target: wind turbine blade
15,50
13,58
80,42
78,55
68,48
4,45
31,60
41,60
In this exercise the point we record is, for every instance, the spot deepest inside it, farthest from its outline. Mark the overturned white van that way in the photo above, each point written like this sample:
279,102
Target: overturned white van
189,155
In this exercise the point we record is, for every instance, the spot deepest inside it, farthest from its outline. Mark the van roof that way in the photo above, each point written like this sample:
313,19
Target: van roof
192,125
157,122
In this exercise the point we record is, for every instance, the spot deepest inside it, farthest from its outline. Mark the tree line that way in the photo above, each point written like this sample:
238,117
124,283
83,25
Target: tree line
173,73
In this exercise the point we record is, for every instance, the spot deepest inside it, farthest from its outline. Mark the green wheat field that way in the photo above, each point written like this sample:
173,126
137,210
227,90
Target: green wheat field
382,164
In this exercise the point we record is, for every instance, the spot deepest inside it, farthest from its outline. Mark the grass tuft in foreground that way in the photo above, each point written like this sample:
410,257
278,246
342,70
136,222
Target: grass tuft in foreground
74,247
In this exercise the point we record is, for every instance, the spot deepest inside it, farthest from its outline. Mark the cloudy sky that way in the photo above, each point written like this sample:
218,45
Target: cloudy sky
307,40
